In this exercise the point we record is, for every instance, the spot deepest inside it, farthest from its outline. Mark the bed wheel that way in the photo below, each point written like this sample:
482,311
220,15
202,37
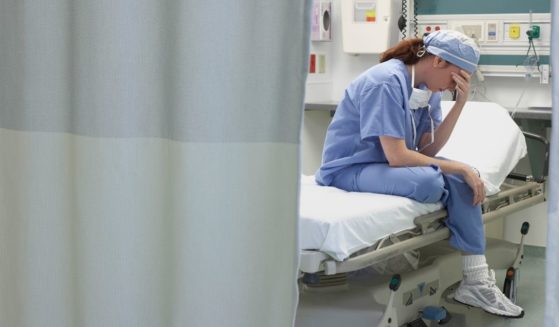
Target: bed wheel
445,319
439,314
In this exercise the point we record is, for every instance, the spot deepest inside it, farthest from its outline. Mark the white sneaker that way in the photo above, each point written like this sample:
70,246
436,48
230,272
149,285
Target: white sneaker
485,295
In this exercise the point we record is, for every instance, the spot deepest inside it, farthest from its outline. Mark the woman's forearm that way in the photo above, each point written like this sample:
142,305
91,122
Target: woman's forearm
398,155
411,158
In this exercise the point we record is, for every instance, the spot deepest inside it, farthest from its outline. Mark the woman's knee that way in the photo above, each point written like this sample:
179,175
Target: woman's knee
430,186
345,179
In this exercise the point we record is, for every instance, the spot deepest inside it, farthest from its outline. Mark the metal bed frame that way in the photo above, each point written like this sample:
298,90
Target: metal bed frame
429,229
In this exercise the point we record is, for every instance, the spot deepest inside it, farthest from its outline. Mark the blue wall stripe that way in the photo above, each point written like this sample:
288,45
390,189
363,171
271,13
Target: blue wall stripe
508,60
455,7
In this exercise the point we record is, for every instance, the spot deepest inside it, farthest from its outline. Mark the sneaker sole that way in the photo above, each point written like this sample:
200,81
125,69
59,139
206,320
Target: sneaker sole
492,313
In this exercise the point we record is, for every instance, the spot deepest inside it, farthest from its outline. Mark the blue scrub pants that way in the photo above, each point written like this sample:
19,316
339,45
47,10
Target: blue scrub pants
424,184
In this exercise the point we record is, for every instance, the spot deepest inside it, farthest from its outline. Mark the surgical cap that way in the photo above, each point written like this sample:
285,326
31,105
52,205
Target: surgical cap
454,47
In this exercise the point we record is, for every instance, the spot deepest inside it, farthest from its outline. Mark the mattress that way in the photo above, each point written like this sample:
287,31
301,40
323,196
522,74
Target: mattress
340,223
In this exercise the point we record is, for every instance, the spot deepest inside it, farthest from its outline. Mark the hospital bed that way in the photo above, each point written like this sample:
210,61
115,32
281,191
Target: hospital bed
344,236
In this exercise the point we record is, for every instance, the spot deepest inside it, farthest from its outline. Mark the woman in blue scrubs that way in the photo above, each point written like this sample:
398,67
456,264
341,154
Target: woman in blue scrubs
385,136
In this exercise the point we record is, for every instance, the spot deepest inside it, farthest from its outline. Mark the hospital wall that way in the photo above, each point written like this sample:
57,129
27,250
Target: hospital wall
341,68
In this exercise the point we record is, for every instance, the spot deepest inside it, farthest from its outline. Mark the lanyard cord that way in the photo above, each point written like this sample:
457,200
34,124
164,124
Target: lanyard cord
413,77
412,114
432,130
415,132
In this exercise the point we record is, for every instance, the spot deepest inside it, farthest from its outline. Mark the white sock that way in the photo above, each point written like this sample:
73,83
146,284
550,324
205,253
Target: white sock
475,267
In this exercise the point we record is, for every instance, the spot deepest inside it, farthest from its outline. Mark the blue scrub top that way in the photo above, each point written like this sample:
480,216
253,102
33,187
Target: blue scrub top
375,104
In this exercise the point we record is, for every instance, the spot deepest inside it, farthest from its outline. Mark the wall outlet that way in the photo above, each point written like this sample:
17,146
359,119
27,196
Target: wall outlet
514,31
321,64
312,63
534,32
473,31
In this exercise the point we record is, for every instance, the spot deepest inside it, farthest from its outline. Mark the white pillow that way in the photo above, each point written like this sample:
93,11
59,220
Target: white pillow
487,138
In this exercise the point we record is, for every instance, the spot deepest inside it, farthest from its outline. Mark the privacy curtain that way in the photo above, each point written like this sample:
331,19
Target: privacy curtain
149,161
552,250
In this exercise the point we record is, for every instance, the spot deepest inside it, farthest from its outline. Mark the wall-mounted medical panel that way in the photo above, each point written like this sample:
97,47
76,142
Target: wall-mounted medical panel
503,40
369,26
321,20
453,7
496,34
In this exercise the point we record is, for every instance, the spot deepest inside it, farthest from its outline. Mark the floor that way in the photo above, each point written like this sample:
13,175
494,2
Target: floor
355,306
531,295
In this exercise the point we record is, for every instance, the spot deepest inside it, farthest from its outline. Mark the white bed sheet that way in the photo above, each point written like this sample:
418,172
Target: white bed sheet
487,138
340,223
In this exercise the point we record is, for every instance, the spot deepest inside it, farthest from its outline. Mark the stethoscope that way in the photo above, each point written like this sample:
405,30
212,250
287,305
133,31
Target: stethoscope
412,111
424,95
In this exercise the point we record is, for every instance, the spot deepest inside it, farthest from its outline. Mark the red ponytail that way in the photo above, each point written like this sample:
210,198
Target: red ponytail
406,50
